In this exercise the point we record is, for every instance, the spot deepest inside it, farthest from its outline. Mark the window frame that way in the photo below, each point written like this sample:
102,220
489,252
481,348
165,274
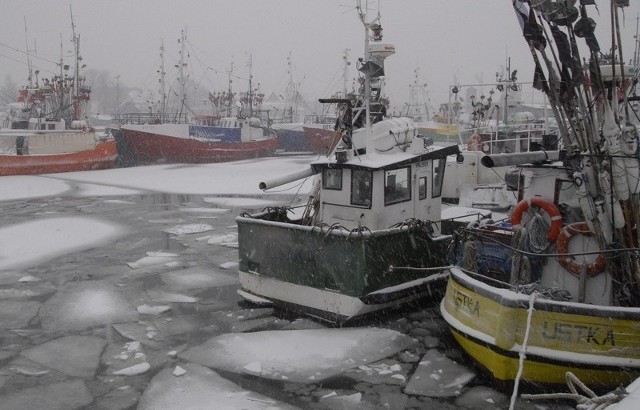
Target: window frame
367,201
326,178
388,200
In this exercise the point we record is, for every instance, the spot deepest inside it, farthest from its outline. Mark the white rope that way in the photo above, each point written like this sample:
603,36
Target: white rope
523,351
587,401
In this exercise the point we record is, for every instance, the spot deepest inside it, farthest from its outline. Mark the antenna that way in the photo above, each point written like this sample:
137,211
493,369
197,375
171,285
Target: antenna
29,66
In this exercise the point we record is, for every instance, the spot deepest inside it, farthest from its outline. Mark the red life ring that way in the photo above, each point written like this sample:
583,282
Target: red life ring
568,262
474,142
547,206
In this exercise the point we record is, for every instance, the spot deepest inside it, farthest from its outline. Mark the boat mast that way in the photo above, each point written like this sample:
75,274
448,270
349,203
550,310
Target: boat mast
636,52
367,56
230,93
76,98
181,78
414,89
506,92
163,92
345,71
292,94
29,64
250,86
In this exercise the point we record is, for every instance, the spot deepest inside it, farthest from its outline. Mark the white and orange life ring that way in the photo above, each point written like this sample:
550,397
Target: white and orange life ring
548,206
474,143
568,262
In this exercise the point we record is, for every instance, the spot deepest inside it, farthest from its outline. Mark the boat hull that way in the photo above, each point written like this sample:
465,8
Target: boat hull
333,275
320,139
293,140
149,146
103,156
599,344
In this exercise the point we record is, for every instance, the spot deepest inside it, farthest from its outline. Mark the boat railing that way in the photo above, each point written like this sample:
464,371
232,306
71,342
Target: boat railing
139,118
509,138
319,119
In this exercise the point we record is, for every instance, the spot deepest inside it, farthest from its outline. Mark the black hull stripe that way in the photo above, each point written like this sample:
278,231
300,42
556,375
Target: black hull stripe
539,359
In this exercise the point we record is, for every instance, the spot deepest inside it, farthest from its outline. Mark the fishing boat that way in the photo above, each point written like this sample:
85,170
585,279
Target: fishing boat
555,287
236,132
46,130
286,114
372,217
419,109
319,131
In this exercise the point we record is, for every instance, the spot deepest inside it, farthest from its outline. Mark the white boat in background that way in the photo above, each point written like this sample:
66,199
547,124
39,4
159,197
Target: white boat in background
370,237
495,127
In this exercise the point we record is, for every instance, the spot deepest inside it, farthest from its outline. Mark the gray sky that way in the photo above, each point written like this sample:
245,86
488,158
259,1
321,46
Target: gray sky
466,41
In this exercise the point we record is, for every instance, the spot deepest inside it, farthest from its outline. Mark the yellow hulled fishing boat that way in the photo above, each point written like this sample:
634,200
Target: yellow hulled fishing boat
555,288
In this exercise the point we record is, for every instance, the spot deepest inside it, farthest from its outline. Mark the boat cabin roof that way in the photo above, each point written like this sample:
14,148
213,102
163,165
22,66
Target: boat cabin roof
384,162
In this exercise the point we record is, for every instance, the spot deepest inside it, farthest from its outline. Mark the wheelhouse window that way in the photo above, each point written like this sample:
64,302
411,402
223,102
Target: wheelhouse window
438,176
422,188
332,179
360,187
396,186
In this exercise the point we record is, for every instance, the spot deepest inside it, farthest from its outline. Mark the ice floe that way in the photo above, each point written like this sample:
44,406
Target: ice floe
201,388
197,278
230,239
67,395
26,186
298,355
56,236
82,305
76,356
154,259
438,376
15,314
188,229
234,202
160,296
153,310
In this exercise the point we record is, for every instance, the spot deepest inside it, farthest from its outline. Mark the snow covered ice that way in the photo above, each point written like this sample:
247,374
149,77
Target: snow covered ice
298,355
118,289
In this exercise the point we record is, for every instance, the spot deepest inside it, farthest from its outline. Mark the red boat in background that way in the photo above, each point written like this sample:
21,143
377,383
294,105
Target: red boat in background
193,143
233,131
319,130
45,131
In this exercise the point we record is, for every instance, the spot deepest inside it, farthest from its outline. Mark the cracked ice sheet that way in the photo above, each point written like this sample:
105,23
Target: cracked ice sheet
55,237
83,305
305,356
24,187
201,388
438,376
87,190
154,259
197,278
76,356
188,229
234,202
199,179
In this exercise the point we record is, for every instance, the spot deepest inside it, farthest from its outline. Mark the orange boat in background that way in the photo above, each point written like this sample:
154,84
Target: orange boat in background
30,152
45,131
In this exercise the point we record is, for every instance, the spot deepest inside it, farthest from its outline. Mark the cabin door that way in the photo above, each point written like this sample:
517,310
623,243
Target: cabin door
421,189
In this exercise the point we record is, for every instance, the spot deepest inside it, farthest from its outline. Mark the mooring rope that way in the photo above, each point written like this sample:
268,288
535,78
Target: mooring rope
587,401
523,352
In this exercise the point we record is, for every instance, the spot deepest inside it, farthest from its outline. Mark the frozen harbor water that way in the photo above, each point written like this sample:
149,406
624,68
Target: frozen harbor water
118,291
